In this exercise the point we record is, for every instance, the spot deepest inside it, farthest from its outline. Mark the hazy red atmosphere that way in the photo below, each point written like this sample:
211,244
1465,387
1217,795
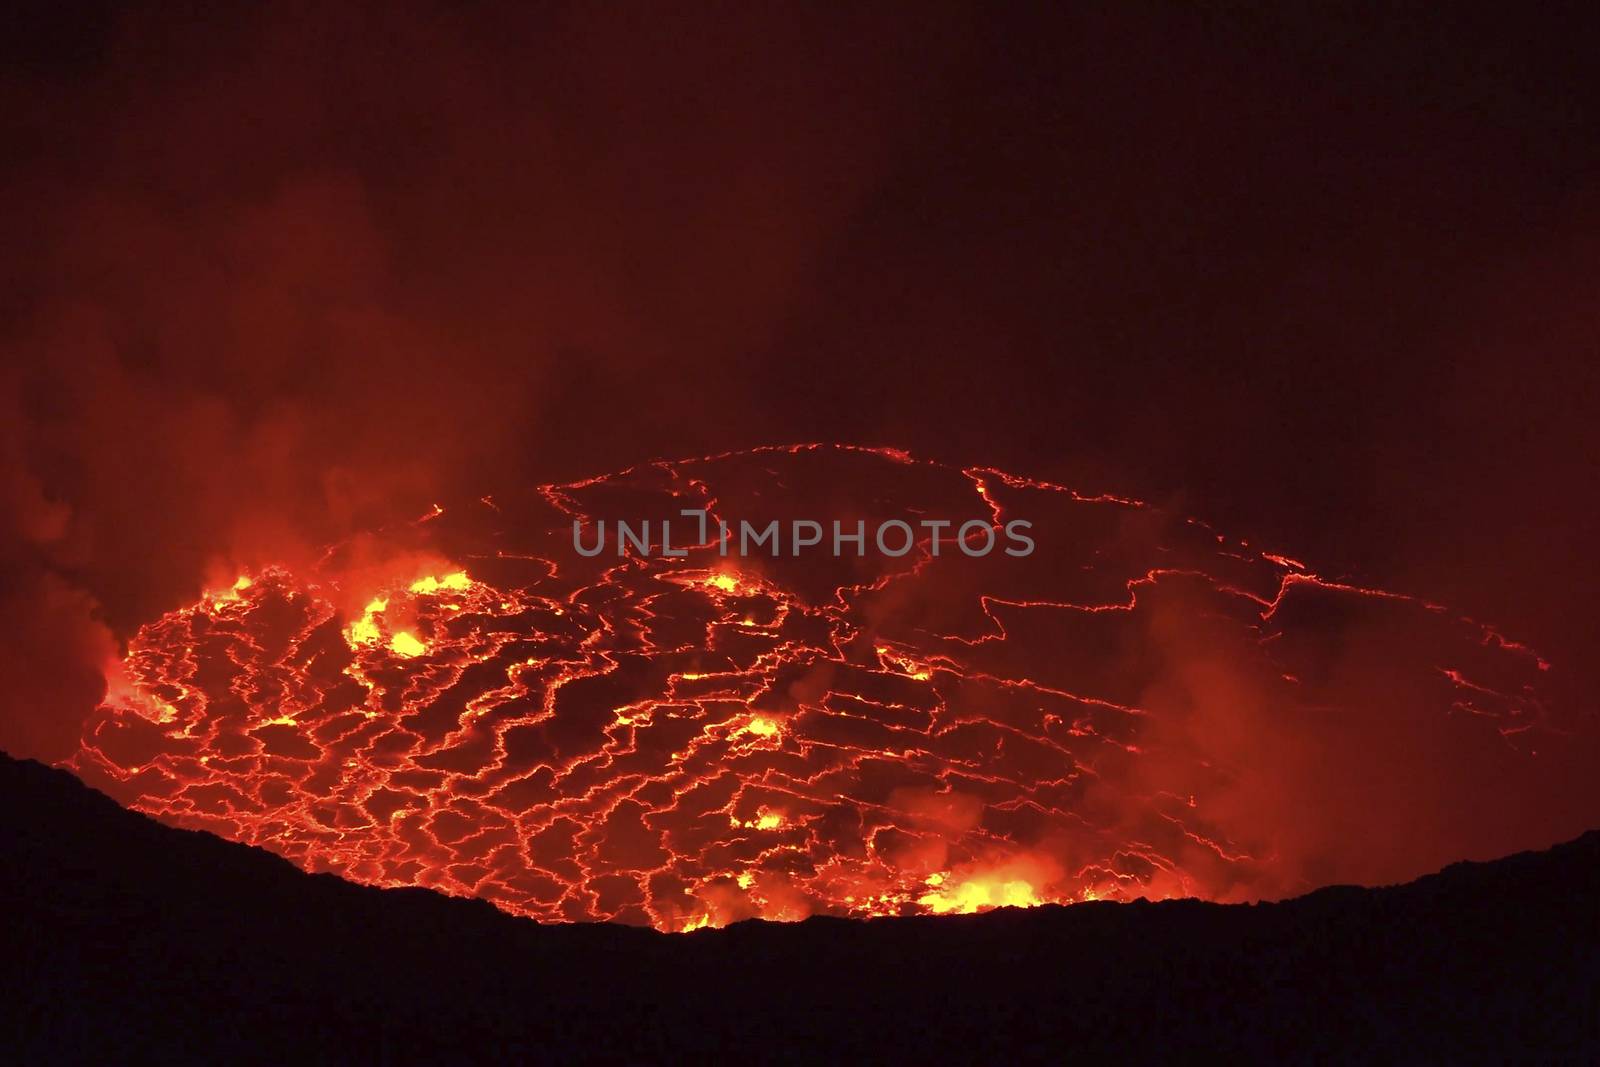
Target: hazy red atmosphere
1283,338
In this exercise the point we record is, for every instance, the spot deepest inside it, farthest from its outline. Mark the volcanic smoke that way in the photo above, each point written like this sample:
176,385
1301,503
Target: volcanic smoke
1142,708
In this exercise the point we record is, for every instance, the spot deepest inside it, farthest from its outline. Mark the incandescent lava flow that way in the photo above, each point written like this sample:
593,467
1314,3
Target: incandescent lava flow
1141,708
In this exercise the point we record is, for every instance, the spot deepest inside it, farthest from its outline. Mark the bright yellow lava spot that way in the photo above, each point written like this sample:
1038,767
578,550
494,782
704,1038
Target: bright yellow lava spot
406,644
759,726
907,666
364,631
281,720
746,879
456,581
766,819
979,895
725,582
231,595
698,922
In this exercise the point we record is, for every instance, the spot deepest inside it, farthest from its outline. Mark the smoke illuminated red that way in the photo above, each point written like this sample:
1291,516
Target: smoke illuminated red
1143,708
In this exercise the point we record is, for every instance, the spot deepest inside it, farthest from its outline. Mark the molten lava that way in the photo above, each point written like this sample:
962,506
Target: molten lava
684,742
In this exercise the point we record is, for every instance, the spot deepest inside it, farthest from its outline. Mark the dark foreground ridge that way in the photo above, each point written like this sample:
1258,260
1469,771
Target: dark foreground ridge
129,939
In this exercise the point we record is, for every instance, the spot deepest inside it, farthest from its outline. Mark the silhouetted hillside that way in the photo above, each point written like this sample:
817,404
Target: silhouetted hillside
128,939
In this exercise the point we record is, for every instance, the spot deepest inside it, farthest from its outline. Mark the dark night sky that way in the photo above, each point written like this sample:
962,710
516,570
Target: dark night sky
1326,279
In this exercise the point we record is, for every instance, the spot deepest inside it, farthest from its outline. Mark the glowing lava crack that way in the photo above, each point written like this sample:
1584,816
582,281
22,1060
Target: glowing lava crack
1140,709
